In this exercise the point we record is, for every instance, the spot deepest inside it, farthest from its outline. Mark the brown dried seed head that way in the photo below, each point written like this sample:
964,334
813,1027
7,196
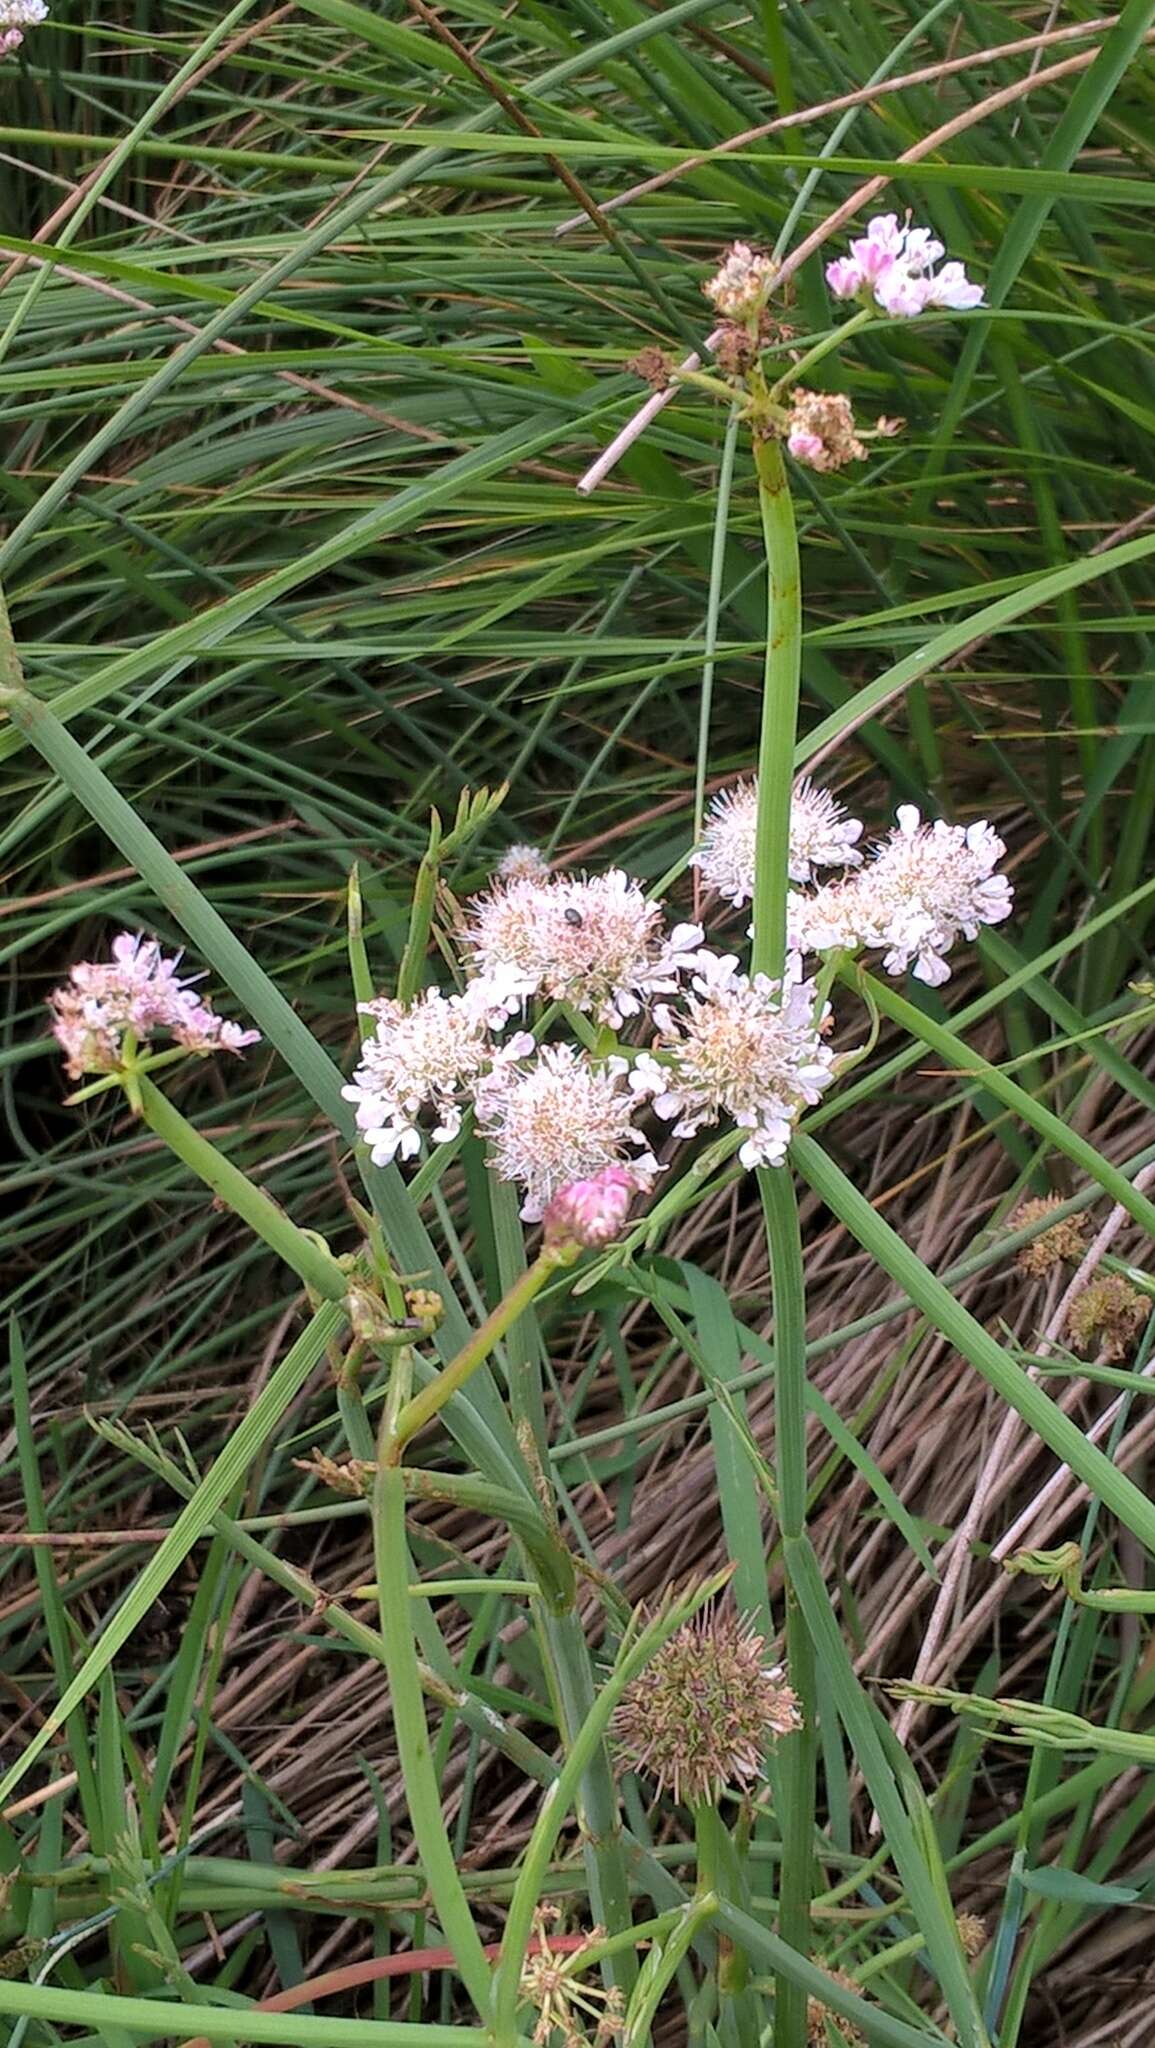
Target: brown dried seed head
820,431
1066,1239
972,1932
652,366
1107,1316
821,2021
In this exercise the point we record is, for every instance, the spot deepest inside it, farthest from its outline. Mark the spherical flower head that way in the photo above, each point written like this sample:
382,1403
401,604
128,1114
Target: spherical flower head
703,1713
927,886
591,941
743,283
590,1213
822,835
1107,1316
747,1049
1066,1239
138,990
421,1057
558,1118
522,863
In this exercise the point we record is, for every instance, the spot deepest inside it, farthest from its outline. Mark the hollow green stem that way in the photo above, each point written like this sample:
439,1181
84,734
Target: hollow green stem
307,1257
797,1753
422,1791
425,1405
779,710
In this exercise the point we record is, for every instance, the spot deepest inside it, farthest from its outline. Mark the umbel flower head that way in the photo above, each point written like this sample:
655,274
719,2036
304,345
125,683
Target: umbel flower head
592,941
137,991
560,1118
894,265
745,1048
15,17
822,835
703,1713
552,1980
742,284
422,1056
927,886
522,863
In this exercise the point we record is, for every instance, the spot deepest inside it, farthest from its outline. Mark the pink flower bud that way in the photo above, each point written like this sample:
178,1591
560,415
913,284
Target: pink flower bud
590,1213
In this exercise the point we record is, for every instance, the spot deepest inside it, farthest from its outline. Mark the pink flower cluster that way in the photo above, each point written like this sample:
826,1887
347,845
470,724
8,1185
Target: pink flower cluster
896,264
139,991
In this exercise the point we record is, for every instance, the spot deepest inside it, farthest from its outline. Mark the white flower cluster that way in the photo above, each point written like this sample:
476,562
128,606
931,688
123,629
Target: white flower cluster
716,1045
710,1043
749,1049
593,942
742,284
423,1055
822,835
925,887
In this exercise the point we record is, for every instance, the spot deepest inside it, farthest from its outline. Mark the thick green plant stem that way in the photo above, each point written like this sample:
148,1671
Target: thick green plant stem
779,709
422,1791
797,1754
308,1259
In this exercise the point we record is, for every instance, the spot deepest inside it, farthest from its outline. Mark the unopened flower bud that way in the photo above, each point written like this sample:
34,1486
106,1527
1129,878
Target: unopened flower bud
590,1213
425,1307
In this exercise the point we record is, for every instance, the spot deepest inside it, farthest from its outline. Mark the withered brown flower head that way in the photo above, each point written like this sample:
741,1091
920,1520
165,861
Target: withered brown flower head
822,2023
1066,1239
972,1932
701,1715
821,431
1107,1316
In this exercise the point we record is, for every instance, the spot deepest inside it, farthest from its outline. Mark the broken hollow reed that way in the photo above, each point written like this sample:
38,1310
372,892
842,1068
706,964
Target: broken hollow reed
553,1062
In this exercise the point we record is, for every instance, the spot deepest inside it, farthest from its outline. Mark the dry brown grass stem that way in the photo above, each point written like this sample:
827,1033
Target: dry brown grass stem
866,95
